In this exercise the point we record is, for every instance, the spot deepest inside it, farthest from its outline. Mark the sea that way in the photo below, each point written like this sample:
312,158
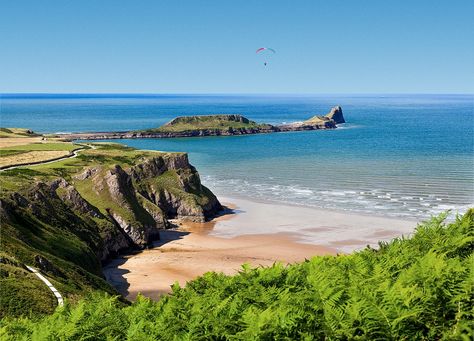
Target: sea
405,156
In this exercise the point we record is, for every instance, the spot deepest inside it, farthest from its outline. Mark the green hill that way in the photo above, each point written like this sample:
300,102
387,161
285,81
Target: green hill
210,124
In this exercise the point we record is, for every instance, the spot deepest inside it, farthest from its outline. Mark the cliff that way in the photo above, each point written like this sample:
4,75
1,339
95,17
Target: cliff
68,217
336,115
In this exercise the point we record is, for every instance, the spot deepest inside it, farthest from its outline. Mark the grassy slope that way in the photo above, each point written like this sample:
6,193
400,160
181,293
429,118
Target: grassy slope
42,146
421,288
16,132
67,238
211,122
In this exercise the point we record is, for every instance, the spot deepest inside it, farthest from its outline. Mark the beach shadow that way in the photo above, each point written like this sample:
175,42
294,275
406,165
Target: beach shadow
167,236
115,276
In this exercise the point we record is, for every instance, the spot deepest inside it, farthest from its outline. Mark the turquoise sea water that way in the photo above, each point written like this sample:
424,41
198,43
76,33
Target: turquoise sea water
398,155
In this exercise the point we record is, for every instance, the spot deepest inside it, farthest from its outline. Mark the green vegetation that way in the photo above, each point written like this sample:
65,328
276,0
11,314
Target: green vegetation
64,218
42,146
421,288
209,122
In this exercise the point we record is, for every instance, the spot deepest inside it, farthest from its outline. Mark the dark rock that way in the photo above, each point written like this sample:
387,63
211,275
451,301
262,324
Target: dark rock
336,115
45,265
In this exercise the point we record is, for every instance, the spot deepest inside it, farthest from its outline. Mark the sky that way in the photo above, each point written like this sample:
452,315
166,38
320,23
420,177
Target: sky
118,46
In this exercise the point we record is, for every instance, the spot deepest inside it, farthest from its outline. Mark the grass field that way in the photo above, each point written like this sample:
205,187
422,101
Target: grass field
21,146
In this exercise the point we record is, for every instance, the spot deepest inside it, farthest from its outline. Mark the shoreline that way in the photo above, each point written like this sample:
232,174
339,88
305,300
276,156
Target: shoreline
254,216
291,234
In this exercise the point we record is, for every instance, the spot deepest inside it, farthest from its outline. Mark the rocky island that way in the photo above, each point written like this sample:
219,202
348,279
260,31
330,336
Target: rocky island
216,125
66,218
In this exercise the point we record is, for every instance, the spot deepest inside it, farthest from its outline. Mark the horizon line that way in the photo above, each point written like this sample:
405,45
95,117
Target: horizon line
232,93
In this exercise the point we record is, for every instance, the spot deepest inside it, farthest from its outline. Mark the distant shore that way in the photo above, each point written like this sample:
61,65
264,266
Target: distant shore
256,233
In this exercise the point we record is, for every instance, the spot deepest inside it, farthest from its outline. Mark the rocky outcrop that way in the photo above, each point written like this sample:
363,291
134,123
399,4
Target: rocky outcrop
114,209
175,201
328,121
336,115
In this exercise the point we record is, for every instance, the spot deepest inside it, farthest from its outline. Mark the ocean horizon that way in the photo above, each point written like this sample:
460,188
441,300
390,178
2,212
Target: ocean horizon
398,155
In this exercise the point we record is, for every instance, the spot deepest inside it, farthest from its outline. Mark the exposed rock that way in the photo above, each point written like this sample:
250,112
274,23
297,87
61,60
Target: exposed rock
149,168
176,161
121,191
336,115
19,199
113,243
71,195
119,184
87,173
45,265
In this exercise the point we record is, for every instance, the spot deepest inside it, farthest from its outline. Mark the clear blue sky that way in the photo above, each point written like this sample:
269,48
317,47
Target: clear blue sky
328,46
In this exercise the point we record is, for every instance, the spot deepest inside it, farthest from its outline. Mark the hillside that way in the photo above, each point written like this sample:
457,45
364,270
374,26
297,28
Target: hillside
418,288
223,123
67,217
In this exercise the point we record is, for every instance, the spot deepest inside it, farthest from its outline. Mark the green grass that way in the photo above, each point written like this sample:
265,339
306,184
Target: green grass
42,146
418,288
210,122
10,152
23,293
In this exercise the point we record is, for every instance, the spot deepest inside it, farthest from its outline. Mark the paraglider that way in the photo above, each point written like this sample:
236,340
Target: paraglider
265,51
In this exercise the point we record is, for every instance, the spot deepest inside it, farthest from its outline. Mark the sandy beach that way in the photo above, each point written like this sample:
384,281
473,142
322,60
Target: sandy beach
255,233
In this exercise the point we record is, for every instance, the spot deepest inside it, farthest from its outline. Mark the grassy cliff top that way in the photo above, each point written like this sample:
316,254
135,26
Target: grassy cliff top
93,155
208,122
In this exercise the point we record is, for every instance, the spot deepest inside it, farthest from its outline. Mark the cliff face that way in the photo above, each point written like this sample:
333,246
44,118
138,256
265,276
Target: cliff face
133,204
67,225
336,115
327,121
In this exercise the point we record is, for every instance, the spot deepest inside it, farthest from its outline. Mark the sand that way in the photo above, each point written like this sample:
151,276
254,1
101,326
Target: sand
256,233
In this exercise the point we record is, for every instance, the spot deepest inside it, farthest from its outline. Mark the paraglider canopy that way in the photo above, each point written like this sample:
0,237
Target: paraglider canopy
265,51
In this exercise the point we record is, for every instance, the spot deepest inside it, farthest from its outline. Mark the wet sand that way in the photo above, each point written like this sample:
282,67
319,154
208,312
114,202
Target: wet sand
256,233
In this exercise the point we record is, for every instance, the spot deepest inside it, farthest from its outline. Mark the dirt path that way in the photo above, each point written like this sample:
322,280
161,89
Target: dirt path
48,284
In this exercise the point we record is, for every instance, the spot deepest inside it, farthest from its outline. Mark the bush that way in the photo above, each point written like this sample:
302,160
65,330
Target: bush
419,288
